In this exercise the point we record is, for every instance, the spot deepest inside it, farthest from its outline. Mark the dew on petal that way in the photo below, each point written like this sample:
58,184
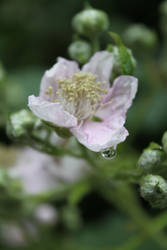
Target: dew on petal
109,153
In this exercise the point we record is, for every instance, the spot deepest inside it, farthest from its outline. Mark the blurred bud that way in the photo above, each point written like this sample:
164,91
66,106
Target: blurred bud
80,51
139,36
12,235
150,159
154,189
46,214
19,123
90,22
164,142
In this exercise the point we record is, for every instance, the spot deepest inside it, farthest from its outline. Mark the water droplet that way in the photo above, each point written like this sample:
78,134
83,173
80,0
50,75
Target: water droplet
109,153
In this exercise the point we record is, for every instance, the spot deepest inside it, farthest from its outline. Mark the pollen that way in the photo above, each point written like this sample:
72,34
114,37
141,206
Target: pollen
49,91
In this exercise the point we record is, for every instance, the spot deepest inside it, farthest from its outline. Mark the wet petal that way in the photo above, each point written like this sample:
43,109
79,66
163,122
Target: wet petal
51,112
62,69
101,65
97,136
119,97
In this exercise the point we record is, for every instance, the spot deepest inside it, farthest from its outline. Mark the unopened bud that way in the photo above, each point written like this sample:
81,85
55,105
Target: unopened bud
80,51
154,189
46,214
139,36
90,22
19,123
150,159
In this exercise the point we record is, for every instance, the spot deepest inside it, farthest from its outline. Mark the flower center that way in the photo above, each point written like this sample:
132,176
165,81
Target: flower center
81,94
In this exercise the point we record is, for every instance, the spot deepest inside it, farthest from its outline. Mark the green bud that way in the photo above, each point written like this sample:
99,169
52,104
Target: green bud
150,159
164,142
154,189
139,36
80,51
90,22
20,123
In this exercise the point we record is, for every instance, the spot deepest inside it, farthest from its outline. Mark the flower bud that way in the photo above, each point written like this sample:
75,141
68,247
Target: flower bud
19,123
154,189
90,22
80,51
138,35
150,159
46,214
164,142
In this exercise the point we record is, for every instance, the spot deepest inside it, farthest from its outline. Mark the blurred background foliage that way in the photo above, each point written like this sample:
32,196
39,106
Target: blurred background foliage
107,215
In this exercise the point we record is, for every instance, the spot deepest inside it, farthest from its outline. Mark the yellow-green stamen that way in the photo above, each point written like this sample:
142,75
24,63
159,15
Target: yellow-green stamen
79,94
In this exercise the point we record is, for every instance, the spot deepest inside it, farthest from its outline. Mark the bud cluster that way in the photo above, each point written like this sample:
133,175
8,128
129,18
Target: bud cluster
152,162
89,23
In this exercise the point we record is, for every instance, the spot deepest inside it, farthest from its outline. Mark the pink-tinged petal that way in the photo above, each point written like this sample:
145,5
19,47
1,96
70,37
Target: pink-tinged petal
119,97
62,69
51,112
100,64
97,136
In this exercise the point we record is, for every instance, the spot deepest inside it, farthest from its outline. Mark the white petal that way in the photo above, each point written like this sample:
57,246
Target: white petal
62,69
100,64
51,112
97,136
120,97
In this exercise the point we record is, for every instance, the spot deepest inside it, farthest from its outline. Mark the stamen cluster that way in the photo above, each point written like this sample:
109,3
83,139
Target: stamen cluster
79,91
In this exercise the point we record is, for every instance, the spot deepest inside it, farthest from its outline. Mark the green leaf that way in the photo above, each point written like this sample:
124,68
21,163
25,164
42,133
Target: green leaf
126,59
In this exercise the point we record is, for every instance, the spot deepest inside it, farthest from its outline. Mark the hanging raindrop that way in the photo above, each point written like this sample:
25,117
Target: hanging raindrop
109,153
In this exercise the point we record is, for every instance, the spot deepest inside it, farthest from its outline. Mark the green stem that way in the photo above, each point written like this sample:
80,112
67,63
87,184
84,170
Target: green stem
95,44
132,208
86,156
45,147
